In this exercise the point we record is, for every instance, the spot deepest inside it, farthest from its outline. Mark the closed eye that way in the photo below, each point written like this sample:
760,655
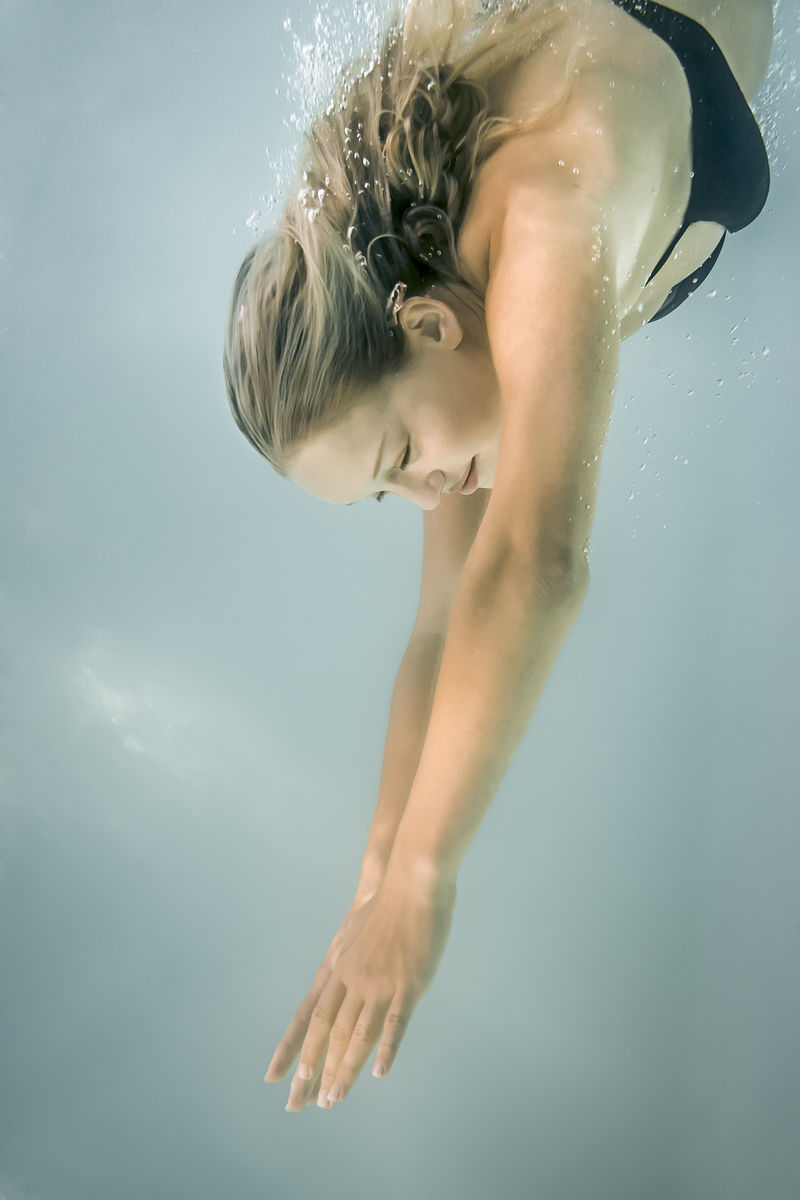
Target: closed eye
401,467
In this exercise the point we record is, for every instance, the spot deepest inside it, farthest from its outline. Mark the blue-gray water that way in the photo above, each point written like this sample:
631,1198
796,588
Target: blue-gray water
197,664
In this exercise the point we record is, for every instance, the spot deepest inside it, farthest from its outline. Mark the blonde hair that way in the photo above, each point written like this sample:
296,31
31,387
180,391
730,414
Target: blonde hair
385,176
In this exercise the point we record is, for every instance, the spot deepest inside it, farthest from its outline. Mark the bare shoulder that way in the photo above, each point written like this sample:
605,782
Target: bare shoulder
617,142
448,533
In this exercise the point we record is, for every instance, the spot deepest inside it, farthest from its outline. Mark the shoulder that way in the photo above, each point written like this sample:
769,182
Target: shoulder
621,129
534,178
593,133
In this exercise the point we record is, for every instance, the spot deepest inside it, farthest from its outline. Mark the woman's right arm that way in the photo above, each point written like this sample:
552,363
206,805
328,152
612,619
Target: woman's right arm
448,533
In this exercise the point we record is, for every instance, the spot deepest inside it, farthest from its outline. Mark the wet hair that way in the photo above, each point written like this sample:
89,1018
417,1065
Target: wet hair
384,178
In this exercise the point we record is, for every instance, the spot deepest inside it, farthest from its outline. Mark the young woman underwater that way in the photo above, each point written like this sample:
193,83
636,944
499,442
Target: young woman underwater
484,215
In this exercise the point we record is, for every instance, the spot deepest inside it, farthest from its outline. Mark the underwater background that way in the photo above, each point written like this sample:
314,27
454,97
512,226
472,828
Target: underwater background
197,663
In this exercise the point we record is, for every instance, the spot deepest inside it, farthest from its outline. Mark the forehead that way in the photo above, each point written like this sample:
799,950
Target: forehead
337,464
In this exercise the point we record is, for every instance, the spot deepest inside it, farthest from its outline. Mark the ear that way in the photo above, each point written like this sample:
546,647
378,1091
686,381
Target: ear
424,319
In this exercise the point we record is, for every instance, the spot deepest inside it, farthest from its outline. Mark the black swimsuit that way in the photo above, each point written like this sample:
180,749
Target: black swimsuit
730,178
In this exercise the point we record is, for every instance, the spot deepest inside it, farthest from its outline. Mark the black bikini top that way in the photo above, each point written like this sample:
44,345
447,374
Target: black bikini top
730,180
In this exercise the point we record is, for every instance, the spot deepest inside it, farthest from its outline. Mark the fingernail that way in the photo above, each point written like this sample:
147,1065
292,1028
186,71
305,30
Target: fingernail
379,1070
305,1071
322,1100
335,1093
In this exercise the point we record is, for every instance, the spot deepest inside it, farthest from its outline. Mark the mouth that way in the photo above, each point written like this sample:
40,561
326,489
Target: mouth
469,483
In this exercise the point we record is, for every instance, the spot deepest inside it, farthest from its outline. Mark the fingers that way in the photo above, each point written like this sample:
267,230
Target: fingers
346,1061
314,1045
394,1028
370,1024
342,1032
356,1026
311,1097
292,1040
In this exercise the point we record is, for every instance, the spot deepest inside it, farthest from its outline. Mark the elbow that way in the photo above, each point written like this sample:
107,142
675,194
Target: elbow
557,580
560,579
526,573
548,566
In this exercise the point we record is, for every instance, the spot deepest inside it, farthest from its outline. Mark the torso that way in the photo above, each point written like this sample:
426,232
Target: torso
626,127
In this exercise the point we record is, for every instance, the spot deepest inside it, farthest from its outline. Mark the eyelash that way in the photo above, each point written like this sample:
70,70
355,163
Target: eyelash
403,466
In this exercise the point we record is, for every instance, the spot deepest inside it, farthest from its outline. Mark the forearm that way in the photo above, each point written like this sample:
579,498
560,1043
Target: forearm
506,630
408,721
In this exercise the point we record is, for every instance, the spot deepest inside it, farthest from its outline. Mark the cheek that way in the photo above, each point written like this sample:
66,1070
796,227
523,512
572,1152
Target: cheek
471,424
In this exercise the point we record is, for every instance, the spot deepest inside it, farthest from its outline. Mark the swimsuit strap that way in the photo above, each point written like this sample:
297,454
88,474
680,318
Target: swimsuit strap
730,168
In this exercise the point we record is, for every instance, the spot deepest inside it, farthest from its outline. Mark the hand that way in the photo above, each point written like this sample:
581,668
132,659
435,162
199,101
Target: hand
289,1045
387,960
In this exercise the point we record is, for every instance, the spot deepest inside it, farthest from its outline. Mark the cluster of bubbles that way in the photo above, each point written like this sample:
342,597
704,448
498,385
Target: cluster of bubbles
341,32
777,102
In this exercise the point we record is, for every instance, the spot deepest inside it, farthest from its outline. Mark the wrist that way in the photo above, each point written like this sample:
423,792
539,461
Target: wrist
417,872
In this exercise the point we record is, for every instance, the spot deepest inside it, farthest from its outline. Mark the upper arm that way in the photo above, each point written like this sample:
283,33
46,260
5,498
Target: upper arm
448,534
551,317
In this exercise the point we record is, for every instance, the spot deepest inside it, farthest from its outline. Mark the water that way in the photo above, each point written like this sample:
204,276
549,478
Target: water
197,668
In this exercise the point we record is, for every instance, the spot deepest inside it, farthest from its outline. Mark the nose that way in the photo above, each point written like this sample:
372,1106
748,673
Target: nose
425,490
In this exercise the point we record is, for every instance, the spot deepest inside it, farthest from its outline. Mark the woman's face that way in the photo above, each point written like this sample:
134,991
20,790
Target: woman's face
432,428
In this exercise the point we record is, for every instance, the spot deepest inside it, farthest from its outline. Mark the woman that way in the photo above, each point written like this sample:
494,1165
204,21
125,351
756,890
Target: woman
485,214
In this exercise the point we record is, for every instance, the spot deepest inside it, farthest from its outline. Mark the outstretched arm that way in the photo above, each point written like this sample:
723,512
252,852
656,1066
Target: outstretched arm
551,319
448,533
405,734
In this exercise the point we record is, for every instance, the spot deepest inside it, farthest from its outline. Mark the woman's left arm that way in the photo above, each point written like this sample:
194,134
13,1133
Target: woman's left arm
553,329
551,318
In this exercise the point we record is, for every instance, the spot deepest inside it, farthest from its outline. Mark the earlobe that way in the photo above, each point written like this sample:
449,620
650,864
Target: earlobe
433,320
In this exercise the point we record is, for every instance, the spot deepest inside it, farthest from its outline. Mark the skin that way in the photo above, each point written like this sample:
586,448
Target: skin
424,426
554,322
